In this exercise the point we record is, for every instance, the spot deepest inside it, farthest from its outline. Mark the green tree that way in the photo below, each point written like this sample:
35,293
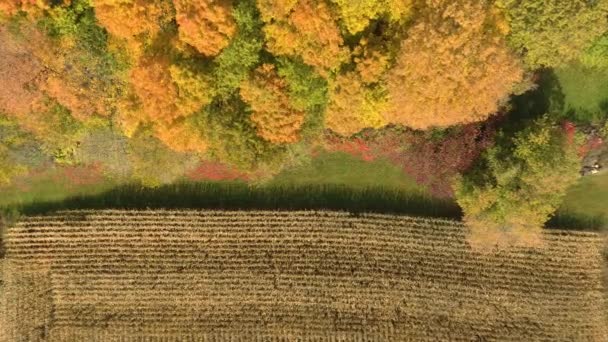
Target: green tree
233,139
307,93
234,63
596,56
552,33
10,139
521,180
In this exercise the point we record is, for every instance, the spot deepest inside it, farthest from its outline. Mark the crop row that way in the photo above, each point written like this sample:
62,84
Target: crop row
306,276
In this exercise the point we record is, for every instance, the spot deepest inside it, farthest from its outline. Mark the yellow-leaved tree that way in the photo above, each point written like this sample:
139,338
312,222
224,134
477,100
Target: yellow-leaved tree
305,28
267,94
357,98
207,25
356,15
454,67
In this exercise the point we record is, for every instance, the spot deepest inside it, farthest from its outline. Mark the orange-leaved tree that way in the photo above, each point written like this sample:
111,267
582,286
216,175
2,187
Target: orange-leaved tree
207,25
267,94
133,20
305,28
167,93
35,7
453,67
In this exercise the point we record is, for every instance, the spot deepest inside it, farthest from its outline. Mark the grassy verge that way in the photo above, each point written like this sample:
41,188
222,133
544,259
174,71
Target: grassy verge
335,181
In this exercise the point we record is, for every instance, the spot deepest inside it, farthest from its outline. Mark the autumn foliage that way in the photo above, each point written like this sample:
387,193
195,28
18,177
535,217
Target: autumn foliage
207,25
151,80
357,97
166,94
553,33
453,68
305,28
275,119
11,7
128,18
353,106
357,15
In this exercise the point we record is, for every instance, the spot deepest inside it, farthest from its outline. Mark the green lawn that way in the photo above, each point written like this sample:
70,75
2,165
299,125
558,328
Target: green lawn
339,168
588,199
49,185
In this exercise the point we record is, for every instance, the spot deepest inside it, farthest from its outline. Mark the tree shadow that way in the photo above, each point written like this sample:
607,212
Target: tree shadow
578,222
240,196
545,98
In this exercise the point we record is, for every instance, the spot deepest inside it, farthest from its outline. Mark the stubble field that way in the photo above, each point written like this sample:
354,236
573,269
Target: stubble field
168,275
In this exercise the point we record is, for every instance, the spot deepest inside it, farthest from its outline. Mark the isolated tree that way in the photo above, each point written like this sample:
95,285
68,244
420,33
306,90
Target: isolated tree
551,33
453,67
356,15
267,94
305,28
521,181
207,25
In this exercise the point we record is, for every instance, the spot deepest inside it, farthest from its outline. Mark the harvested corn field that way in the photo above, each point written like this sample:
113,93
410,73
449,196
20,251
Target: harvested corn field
114,275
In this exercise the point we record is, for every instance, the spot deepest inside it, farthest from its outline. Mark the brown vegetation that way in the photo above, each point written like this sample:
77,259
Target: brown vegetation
224,276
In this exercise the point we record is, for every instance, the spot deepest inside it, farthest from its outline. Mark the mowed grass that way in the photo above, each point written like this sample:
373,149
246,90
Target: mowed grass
339,168
588,198
49,185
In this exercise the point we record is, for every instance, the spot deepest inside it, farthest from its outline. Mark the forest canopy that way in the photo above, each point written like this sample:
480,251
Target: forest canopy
257,84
